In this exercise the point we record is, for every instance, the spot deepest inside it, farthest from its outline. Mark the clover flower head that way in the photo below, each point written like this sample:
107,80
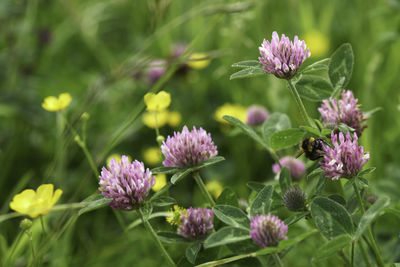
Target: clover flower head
283,57
35,203
345,159
53,104
196,223
297,167
187,149
267,230
126,184
345,110
256,115
157,68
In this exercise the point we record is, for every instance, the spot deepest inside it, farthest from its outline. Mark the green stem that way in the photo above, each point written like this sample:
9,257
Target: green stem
42,223
203,188
227,260
89,158
13,247
364,254
374,247
352,253
29,233
277,259
150,229
300,104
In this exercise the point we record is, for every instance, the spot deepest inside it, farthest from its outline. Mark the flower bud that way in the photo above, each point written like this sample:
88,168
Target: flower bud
25,224
294,199
160,139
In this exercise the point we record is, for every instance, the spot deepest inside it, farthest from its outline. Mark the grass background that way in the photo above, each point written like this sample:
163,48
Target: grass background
94,50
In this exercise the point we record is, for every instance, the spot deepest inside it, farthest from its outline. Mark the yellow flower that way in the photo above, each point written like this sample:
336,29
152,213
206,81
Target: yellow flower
152,155
233,110
174,217
174,118
36,203
157,102
198,61
161,181
52,103
149,119
117,157
318,43
215,188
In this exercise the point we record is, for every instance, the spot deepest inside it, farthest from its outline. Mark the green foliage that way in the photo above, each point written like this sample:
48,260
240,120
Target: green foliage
286,138
261,204
341,66
226,235
232,216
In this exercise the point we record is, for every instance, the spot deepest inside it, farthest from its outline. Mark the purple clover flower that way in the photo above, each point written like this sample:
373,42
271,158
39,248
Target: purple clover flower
345,159
267,230
256,115
297,167
283,57
156,70
347,111
126,184
196,223
187,149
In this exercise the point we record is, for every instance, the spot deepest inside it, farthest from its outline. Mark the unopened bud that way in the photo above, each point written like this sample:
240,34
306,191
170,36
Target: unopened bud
160,139
25,224
294,199
85,116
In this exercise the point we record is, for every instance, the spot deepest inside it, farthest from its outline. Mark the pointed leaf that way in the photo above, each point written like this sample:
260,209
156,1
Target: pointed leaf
166,170
284,179
245,129
248,72
228,197
317,66
332,246
262,202
207,163
180,175
232,216
295,218
370,215
226,235
314,87
276,122
172,238
192,251
341,65
331,218
286,138
163,201
246,64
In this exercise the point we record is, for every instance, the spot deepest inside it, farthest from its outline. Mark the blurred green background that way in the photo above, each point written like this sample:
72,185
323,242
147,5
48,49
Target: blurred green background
100,51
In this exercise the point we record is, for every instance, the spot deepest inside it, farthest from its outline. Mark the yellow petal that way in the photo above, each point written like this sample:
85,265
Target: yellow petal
56,197
152,155
198,61
161,181
174,118
50,103
151,119
317,42
157,102
64,100
233,110
22,201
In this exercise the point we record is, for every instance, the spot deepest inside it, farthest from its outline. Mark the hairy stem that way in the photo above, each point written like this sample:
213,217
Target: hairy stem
277,259
150,229
203,188
300,104
374,247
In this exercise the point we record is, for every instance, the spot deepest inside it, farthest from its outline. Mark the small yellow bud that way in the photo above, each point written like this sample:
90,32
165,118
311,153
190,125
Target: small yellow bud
160,139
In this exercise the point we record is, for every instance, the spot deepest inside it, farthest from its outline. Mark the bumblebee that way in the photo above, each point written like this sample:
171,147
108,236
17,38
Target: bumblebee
312,148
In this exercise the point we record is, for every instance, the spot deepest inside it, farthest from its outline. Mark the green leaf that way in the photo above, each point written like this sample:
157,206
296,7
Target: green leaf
245,129
163,201
311,130
171,238
207,163
255,186
147,209
226,235
248,72
369,113
192,251
295,218
227,197
314,88
332,246
370,215
180,175
232,216
366,171
286,138
94,202
166,170
344,128
276,122
320,184
284,244
317,66
331,218
341,65
262,202
314,173
284,179
246,64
